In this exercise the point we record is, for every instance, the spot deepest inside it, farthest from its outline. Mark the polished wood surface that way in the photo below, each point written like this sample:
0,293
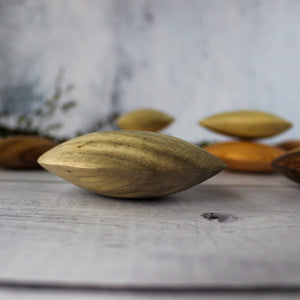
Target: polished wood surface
131,164
246,124
246,156
144,119
22,152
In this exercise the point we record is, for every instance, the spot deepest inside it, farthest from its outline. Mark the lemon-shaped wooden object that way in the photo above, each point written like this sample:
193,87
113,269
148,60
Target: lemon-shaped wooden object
246,124
131,164
22,152
145,120
246,156
289,165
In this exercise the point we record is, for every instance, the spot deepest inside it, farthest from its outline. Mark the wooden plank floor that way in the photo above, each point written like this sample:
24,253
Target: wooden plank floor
59,240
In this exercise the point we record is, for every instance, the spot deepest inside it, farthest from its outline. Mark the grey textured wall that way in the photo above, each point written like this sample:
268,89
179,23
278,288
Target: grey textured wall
191,58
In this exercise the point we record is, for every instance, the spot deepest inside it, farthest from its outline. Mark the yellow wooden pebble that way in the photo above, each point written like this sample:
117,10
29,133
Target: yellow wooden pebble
246,124
246,156
22,152
131,164
145,120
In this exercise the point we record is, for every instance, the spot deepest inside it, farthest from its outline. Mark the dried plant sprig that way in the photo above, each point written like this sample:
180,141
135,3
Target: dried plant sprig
32,122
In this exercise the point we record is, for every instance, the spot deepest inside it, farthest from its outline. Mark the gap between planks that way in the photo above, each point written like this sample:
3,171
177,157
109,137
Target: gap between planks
164,289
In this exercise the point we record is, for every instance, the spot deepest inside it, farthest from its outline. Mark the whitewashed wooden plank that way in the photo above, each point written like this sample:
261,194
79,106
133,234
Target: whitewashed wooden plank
9,294
28,175
249,179
58,232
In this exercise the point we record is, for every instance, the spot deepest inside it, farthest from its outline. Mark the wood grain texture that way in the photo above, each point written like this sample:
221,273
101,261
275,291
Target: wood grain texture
58,232
131,164
145,119
22,152
247,124
246,156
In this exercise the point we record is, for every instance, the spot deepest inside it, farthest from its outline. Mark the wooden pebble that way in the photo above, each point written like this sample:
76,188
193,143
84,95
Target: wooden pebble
145,120
131,164
289,165
246,124
246,156
289,145
22,152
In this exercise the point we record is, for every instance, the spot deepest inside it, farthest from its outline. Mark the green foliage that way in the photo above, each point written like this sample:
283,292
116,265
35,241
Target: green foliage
33,122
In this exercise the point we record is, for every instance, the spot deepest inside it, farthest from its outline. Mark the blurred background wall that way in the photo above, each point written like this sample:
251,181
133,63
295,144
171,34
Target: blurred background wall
189,58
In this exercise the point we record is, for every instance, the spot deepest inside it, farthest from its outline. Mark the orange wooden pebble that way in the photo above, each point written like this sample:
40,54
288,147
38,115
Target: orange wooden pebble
246,156
289,165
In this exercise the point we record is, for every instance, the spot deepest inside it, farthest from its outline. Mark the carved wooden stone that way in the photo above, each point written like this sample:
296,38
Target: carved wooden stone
131,164
247,124
246,156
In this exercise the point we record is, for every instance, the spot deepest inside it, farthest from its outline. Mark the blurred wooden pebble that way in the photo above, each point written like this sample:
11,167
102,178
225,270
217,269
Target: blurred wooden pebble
289,165
246,124
246,156
289,145
145,120
22,152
